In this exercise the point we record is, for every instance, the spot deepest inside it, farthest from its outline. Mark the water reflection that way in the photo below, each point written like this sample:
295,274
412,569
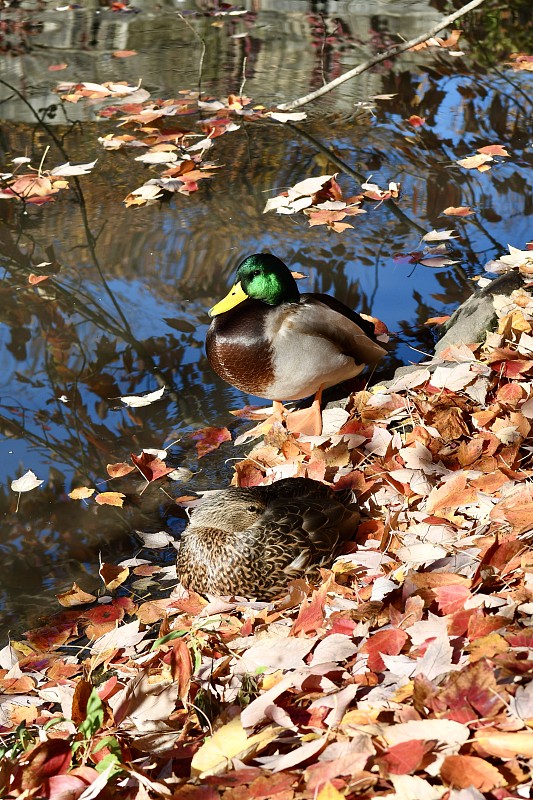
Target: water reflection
124,310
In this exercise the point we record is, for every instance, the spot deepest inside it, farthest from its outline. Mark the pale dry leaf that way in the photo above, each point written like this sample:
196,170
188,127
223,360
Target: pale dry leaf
26,482
137,401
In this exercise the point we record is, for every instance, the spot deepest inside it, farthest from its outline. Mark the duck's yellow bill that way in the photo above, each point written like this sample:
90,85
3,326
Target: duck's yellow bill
235,296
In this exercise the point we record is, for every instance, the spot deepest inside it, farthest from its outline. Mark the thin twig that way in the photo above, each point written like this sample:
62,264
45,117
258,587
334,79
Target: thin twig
204,48
243,81
377,59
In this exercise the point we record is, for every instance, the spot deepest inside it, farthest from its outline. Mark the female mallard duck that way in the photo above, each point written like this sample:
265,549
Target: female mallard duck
269,340
251,542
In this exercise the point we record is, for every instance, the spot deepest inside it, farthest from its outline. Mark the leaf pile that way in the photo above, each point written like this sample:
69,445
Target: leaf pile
404,674
160,129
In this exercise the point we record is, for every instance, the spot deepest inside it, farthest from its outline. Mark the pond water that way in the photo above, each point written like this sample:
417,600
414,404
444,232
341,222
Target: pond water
125,309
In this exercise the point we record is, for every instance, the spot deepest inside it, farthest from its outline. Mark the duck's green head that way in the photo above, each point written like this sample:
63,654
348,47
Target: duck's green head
260,277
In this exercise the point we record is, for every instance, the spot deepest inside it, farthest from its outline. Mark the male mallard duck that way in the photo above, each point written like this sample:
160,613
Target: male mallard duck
269,340
251,542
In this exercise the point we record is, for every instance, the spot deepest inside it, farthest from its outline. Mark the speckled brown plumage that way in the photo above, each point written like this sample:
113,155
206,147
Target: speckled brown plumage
252,542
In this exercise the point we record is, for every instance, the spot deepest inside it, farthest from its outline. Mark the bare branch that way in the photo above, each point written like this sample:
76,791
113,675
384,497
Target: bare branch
392,51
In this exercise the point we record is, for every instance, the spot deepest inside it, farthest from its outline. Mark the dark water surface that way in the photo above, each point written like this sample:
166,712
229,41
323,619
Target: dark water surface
125,310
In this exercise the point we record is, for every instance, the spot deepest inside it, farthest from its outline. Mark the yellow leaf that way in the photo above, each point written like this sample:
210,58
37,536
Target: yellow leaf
229,741
504,744
328,792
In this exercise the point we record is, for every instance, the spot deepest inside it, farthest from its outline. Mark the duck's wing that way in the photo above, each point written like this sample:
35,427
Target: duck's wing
302,533
325,316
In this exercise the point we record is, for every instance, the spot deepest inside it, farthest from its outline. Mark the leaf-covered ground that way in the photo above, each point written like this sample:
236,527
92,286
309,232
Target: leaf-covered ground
404,674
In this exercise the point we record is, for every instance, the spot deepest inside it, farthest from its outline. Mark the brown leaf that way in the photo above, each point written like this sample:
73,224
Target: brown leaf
75,597
112,575
181,667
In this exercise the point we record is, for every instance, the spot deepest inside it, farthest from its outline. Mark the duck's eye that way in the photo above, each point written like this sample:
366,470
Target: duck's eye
252,508
256,274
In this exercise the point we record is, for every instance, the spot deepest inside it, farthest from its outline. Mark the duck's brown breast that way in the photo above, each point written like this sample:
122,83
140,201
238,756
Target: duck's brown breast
238,349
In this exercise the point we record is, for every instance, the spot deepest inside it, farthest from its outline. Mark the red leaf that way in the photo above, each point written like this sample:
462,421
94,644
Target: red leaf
404,758
389,642
451,598
208,439
416,121
151,467
311,615
48,758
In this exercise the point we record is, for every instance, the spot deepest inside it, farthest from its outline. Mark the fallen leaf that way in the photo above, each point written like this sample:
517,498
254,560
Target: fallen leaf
75,597
228,742
464,771
110,499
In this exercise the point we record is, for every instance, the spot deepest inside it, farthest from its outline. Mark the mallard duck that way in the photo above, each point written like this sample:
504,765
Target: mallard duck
269,340
251,542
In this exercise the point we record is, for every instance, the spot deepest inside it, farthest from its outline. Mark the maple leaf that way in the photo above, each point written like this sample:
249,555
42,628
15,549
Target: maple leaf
151,467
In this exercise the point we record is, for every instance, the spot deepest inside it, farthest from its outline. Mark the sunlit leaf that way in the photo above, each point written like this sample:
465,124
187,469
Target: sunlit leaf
26,483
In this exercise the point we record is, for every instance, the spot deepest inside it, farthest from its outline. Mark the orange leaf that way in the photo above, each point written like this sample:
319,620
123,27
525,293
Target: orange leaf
493,150
516,509
437,320
81,493
311,615
57,67
451,494
33,279
119,470
474,162
458,211
110,499
181,667
123,53
416,121
465,771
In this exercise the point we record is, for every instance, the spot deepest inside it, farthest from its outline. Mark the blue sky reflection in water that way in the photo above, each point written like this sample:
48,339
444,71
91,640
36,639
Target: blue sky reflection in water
140,321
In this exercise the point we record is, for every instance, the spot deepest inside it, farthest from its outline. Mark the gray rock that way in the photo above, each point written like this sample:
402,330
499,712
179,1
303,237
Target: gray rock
477,316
